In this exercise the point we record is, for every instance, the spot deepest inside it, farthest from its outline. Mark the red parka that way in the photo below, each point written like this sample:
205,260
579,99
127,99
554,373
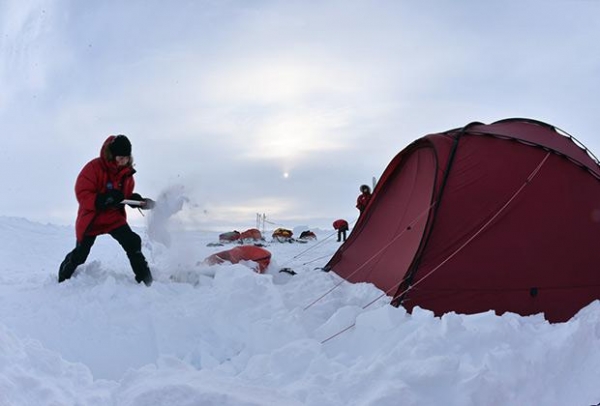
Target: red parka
98,176
362,201
340,224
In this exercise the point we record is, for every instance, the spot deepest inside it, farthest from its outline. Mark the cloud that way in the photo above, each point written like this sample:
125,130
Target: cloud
29,46
227,96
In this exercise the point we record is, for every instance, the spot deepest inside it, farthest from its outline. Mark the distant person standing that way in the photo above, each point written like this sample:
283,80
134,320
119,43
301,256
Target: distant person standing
342,228
100,188
363,198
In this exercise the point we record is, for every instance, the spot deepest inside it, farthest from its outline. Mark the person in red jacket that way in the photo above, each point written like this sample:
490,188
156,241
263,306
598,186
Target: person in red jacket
100,188
342,228
363,198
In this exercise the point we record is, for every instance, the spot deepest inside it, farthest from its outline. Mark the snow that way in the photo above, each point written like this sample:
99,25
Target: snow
225,335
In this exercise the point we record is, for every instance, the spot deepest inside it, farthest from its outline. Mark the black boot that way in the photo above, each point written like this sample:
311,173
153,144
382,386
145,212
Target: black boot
75,258
66,270
140,268
146,279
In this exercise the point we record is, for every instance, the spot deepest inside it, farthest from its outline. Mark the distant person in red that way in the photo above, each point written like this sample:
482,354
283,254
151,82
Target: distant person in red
342,228
363,198
100,188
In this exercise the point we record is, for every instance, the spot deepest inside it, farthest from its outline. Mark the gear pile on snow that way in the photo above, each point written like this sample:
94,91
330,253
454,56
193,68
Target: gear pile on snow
307,236
250,236
252,256
229,236
282,235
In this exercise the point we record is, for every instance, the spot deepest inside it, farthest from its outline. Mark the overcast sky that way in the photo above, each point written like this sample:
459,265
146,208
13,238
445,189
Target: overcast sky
275,107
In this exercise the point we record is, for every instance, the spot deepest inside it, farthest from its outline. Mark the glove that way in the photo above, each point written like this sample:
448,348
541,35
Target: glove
148,203
112,198
136,196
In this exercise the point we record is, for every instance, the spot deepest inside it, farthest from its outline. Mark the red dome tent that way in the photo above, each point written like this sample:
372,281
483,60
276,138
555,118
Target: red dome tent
502,217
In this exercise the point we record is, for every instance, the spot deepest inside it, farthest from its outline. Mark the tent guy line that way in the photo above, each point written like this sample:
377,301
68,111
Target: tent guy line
378,253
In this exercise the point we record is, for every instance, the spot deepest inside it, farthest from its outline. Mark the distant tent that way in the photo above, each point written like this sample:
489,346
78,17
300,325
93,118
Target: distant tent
260,256
502,217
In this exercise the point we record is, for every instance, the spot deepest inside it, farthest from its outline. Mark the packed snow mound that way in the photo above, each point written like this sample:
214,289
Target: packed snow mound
235,337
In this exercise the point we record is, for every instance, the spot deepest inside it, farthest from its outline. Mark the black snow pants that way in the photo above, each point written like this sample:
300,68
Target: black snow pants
126,237
341,233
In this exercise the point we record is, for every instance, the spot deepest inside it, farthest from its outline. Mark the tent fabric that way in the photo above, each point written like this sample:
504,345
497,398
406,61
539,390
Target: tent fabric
502,217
